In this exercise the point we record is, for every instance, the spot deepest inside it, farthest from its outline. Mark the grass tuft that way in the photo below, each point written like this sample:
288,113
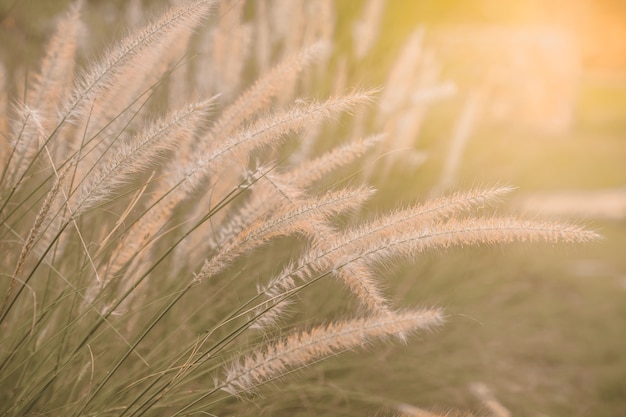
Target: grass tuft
159,234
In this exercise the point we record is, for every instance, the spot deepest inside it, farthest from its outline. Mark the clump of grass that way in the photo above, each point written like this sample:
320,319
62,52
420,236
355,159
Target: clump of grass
141,227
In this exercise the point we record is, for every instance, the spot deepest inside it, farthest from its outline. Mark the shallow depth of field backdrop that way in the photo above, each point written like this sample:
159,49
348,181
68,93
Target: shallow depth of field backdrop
525,93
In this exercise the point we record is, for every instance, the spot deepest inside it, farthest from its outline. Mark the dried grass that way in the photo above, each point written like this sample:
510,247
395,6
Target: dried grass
126,230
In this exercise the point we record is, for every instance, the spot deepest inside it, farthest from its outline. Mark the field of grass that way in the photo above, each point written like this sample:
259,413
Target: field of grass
544,327
541,325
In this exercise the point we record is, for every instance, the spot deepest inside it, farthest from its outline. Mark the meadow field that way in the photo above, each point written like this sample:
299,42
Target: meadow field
292,208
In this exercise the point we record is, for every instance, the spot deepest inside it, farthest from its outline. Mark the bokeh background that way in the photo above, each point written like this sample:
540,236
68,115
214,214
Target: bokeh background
526,93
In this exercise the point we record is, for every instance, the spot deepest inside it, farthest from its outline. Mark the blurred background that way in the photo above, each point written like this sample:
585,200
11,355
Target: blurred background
525,93
531,94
